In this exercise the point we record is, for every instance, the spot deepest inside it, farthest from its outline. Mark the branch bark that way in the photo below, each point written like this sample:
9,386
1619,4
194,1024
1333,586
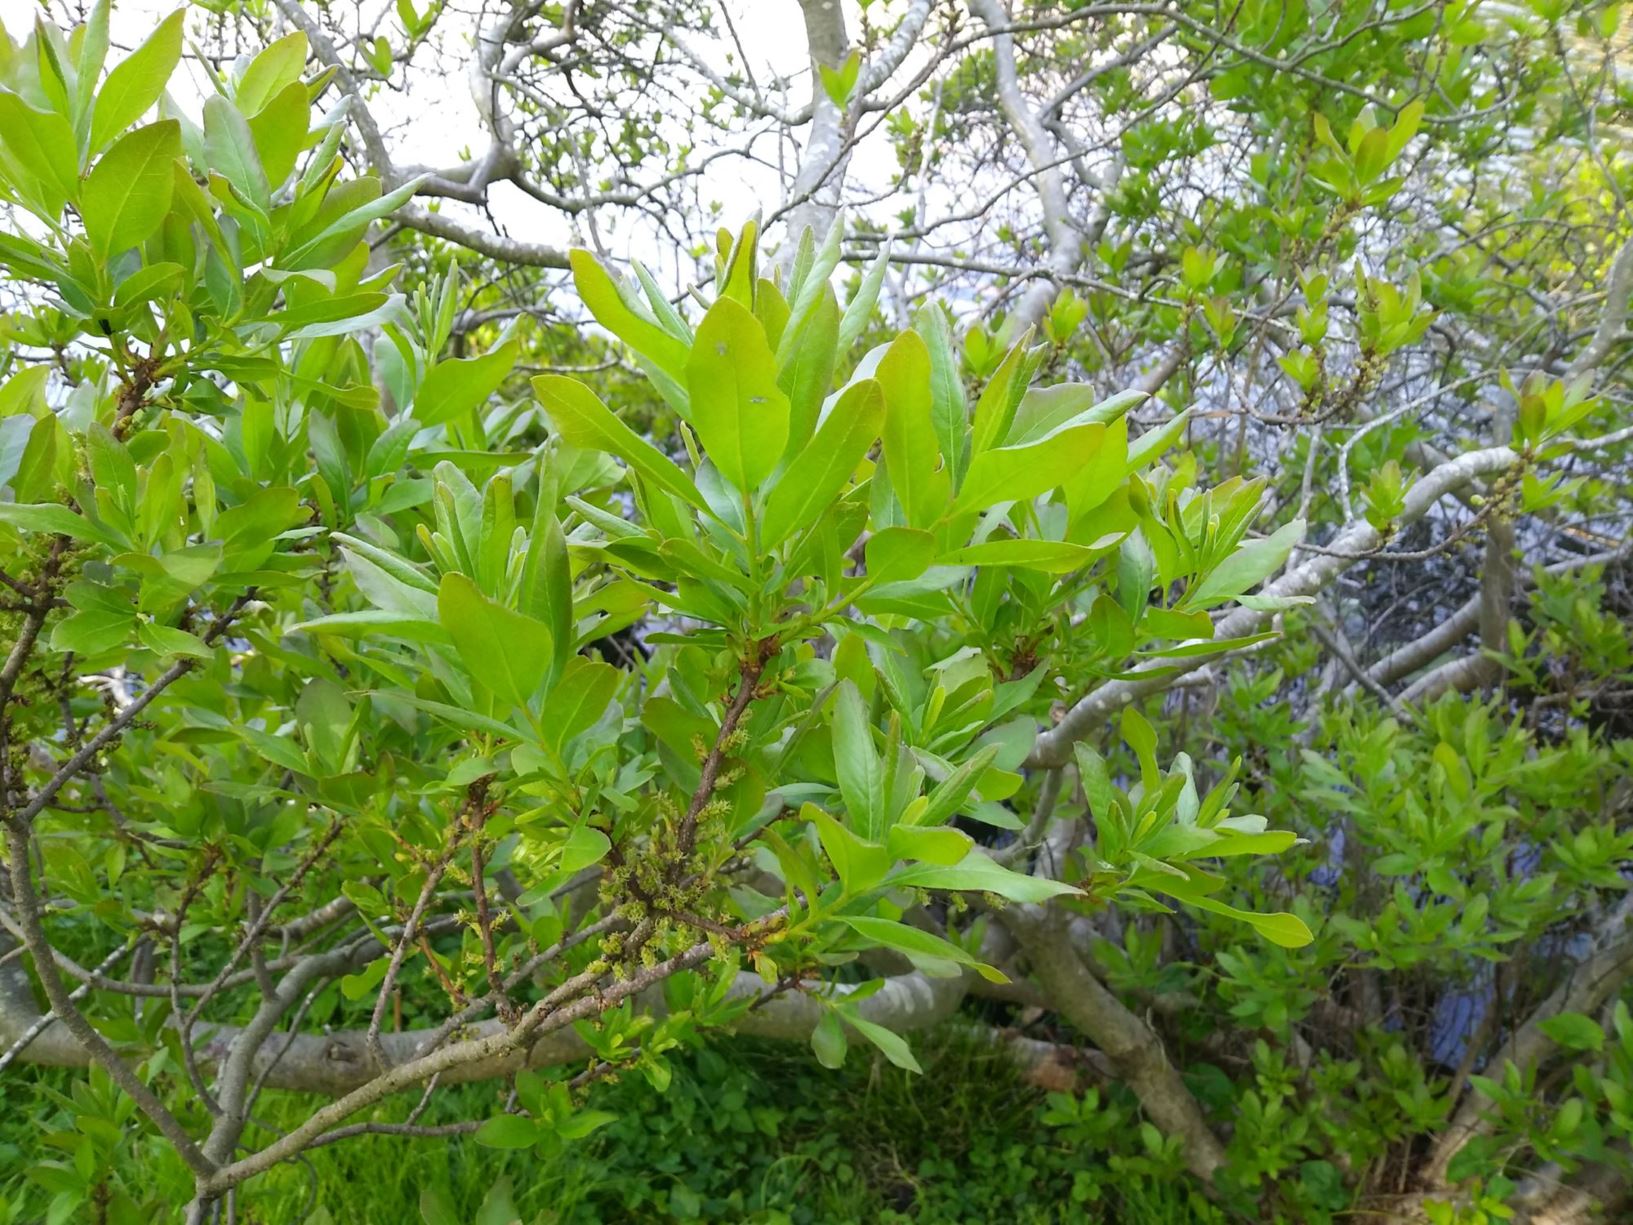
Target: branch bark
1133,1048
1044,155
1586,988
1053,747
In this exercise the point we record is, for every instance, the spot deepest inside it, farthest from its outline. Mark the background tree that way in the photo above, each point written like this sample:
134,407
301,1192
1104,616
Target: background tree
377,719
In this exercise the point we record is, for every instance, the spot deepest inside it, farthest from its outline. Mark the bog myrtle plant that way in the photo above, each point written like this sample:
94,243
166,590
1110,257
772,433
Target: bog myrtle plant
375,720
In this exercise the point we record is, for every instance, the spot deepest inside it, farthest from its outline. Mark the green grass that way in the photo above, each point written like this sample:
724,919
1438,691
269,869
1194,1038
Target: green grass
746,1132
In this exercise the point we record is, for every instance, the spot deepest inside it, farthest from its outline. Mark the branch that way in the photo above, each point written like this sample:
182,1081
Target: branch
1054,746
1045,158
27,903
905,1002
1134,1049
484,242
1617,292
1586,988
579,998
1420,652
122,721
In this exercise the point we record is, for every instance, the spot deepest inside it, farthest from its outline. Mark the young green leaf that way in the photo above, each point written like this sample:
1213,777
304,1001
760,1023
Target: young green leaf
861,774
505,652
839,83
598,291
1249,565
583,421
279,132
1020,473
978,874
276,67
911,457
456,385
137,82
740,413
809,486
995,410
917,944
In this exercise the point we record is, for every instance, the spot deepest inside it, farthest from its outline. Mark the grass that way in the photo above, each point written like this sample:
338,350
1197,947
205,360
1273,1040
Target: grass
749,1132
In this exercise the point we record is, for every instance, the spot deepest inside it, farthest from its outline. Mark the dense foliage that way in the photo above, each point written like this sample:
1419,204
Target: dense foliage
403,688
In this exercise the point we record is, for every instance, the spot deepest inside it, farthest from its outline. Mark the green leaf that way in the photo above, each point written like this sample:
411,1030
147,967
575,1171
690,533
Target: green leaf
1574,1031
583,846
145,284
275,68
1405,127
949,413
508,1131
806,359
583,421
1020,473
947,800
860,308
128,192
546,590
435,1209
739,412
893,1045
1050,556
325,714
861,774
92,631
373,623
995,410
328,236
93,52
898,554
940,844
506,652
49,517
579,698
1249,565
812,483
278,750
456,716
860,865
137,82
1287,930
599,292
230,147
582,1122
166,640
978,874
909,435
279,132
839,83
828,1041
917,944
456,385
43,144
498,1206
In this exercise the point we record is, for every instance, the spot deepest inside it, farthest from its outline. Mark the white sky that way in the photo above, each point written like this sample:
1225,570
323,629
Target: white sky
435,128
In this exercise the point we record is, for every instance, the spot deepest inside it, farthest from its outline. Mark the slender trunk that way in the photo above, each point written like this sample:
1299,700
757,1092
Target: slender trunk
1133,1048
